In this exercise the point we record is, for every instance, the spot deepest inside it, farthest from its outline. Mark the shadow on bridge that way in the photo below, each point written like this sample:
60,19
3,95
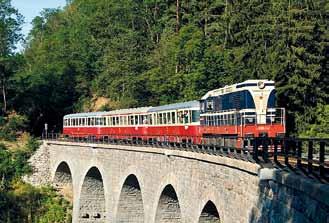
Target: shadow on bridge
289,197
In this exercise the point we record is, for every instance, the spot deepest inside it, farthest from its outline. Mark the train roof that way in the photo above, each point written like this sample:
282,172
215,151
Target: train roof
238,87
141,110
85,114
107,113
182,105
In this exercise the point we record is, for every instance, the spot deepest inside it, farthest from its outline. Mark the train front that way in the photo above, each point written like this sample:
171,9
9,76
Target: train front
246,109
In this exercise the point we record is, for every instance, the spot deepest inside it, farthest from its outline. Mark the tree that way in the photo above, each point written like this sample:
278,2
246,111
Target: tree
10,27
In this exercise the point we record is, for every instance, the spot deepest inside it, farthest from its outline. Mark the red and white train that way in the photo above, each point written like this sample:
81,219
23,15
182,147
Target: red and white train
245,109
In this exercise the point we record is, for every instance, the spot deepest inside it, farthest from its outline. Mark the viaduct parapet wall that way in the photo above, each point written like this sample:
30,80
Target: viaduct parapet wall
129,184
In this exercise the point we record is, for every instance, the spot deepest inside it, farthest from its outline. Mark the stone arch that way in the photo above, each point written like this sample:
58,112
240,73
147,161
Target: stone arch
168,209
209,214
63,181
130,206
92,197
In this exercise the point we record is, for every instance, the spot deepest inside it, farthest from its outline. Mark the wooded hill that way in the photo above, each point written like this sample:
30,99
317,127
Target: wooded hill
150,52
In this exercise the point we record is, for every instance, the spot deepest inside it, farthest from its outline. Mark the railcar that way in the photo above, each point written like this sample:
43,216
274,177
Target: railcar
172,123
245,109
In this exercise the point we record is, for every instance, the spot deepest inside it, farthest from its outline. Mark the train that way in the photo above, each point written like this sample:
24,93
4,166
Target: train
242,110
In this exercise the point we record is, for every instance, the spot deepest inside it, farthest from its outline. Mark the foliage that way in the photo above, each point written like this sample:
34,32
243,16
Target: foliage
139,53
320,128
10,22
12,126
21,202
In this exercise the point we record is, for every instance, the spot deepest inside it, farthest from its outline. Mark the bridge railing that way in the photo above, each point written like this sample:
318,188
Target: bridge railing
309,156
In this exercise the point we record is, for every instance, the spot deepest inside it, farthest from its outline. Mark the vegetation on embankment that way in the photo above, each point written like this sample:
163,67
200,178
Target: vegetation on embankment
135,53
19,201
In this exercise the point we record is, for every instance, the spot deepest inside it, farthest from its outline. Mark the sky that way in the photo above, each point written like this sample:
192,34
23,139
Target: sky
32,8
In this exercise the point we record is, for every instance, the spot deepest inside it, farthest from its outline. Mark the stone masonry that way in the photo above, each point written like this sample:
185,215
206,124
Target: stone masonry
113,183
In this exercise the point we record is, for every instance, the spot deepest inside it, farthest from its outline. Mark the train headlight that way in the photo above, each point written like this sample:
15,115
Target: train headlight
261,85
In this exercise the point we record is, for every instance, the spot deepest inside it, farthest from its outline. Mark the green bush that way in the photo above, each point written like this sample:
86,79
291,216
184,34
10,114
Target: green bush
12,126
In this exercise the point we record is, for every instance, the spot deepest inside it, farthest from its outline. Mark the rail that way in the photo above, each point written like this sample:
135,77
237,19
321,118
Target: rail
309,157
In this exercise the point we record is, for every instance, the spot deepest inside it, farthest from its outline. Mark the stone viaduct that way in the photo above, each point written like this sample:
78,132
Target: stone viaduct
129,184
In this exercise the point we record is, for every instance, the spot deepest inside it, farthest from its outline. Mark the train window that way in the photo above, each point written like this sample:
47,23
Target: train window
173,117
202,106
160,119
180,117
144,120
186,116
83,121
210,105
149,119
136,120
195,116
164,115
169,118
117,120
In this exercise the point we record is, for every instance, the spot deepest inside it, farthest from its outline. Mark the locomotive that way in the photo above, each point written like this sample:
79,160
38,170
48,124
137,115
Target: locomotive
236,111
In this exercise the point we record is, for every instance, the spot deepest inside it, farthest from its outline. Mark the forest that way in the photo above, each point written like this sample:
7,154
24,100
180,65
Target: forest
107,54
